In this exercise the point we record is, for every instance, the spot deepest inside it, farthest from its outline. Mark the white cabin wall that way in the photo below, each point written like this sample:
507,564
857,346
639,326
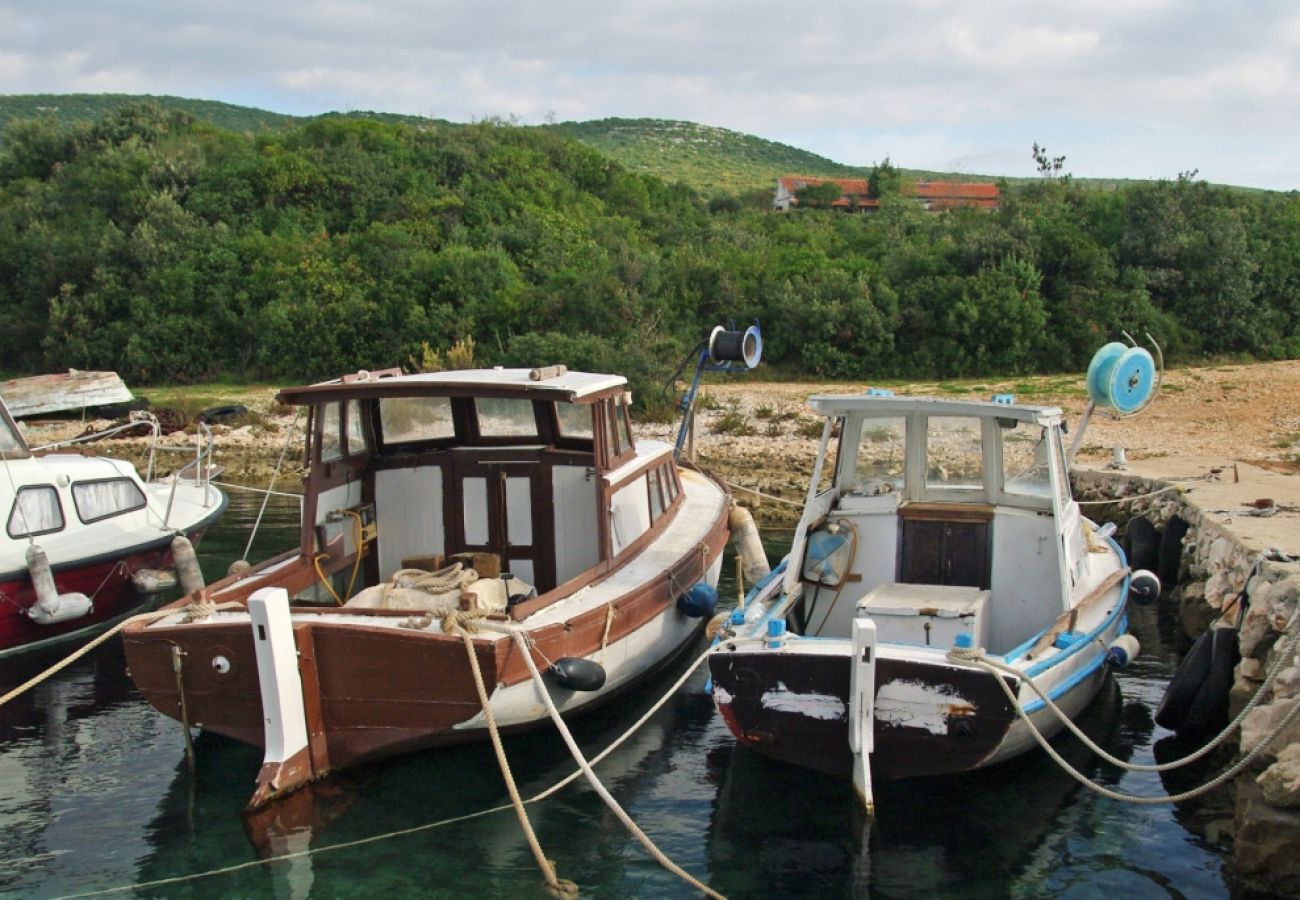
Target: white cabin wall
577,524
874,561
345,496
408,512
1025,577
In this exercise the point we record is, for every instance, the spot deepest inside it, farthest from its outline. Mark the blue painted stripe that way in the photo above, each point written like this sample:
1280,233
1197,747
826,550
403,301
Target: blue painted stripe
1068,685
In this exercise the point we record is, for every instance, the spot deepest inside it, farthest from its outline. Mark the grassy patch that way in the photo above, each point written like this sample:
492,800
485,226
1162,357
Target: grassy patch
733,422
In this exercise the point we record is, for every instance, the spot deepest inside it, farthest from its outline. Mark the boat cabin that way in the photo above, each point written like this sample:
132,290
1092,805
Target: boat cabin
936,517
535,470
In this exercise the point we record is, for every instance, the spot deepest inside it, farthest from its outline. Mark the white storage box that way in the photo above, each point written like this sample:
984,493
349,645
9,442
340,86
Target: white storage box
927,614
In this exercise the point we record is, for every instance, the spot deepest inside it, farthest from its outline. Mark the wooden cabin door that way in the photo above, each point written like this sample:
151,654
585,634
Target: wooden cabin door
497,505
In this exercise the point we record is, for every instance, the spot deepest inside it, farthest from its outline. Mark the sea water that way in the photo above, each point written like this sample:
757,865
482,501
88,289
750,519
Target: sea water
96,794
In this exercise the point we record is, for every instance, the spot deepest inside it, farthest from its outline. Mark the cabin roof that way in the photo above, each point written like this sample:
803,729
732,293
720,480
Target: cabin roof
842,404
499,382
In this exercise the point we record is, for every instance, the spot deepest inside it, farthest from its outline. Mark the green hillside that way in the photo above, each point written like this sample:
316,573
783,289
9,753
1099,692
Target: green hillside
705,157
712,160
69,109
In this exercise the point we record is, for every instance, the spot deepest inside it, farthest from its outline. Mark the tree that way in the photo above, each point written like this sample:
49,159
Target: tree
885,180
1048,167
819,195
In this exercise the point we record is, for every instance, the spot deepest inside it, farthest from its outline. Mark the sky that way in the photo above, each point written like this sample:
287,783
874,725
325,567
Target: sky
1121,88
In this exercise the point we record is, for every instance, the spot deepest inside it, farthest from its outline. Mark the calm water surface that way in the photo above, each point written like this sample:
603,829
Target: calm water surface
95,794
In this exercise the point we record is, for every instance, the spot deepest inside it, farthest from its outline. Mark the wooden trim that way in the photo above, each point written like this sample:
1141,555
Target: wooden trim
582,635
946,512
317,737
608,567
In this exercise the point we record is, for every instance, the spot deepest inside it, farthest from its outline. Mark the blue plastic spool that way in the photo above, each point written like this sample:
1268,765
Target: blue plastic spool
1121,377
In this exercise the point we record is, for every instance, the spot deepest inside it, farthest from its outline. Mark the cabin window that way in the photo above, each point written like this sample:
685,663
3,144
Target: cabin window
954,452
97,500
356,429
331,433
611,438
505,417
670,483
408,420
575,420
656,495
624,423
882,450
1025,466
36,511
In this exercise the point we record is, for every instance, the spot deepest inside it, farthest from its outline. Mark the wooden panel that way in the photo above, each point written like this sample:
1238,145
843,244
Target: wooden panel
944,552
946,512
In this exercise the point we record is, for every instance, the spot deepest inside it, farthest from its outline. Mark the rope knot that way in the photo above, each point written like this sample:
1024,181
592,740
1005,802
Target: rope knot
198,610
462,621
966,654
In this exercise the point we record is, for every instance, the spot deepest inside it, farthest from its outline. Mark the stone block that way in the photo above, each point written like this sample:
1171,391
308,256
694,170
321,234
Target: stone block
1257,635
1264,849
1261,722
1280,782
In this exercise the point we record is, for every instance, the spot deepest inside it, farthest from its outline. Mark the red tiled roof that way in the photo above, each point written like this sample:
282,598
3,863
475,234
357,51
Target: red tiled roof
951,190
935,194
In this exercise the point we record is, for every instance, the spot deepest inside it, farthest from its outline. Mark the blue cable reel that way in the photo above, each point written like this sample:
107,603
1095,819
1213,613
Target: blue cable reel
1123,377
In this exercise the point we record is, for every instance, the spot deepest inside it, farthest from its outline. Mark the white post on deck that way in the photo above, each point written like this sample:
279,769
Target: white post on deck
862,708
283,715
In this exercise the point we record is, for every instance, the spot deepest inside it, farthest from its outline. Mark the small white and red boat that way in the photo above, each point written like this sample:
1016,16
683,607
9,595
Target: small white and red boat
514,499
86,539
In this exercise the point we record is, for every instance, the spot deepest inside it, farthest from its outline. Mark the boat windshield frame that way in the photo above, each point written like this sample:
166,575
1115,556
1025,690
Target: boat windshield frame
12,443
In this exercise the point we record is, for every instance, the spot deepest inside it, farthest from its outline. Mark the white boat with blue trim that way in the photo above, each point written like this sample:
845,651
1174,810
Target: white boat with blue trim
940,578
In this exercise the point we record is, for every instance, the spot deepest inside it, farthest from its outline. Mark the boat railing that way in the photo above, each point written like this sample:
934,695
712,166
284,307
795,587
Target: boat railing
198,471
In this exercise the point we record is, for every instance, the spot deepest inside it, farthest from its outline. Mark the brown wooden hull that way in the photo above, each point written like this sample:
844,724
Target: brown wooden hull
372,690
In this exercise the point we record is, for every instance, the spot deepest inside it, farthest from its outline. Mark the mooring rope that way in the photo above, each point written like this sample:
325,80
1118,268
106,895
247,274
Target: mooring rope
978,658
521,641
758,493
195,610
554,884
428,826
1255,700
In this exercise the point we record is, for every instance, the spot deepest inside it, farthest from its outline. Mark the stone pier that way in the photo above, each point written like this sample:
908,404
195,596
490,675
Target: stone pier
1239,517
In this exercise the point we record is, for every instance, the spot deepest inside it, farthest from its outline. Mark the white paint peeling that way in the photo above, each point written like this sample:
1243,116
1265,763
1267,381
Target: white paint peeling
720,695
815,706
915,704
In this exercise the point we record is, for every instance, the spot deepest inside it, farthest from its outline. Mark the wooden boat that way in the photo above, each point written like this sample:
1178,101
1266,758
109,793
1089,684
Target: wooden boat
63,392
80,533
932,529
568,530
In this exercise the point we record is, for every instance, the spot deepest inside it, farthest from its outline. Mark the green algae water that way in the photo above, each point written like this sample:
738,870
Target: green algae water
95,794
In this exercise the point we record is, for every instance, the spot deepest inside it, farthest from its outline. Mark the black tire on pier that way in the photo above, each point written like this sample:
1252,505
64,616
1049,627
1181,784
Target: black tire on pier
1171,551
1185,684
1143,544
1208,713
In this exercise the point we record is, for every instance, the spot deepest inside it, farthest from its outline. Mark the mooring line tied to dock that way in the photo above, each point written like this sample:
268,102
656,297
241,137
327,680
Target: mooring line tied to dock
428,826
978,657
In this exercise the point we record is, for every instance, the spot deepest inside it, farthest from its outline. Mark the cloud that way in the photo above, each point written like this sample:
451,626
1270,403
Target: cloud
948,81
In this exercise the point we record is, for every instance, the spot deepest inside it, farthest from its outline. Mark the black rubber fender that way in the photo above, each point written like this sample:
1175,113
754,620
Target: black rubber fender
1143,544
1171,551
1185,684
1208,713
